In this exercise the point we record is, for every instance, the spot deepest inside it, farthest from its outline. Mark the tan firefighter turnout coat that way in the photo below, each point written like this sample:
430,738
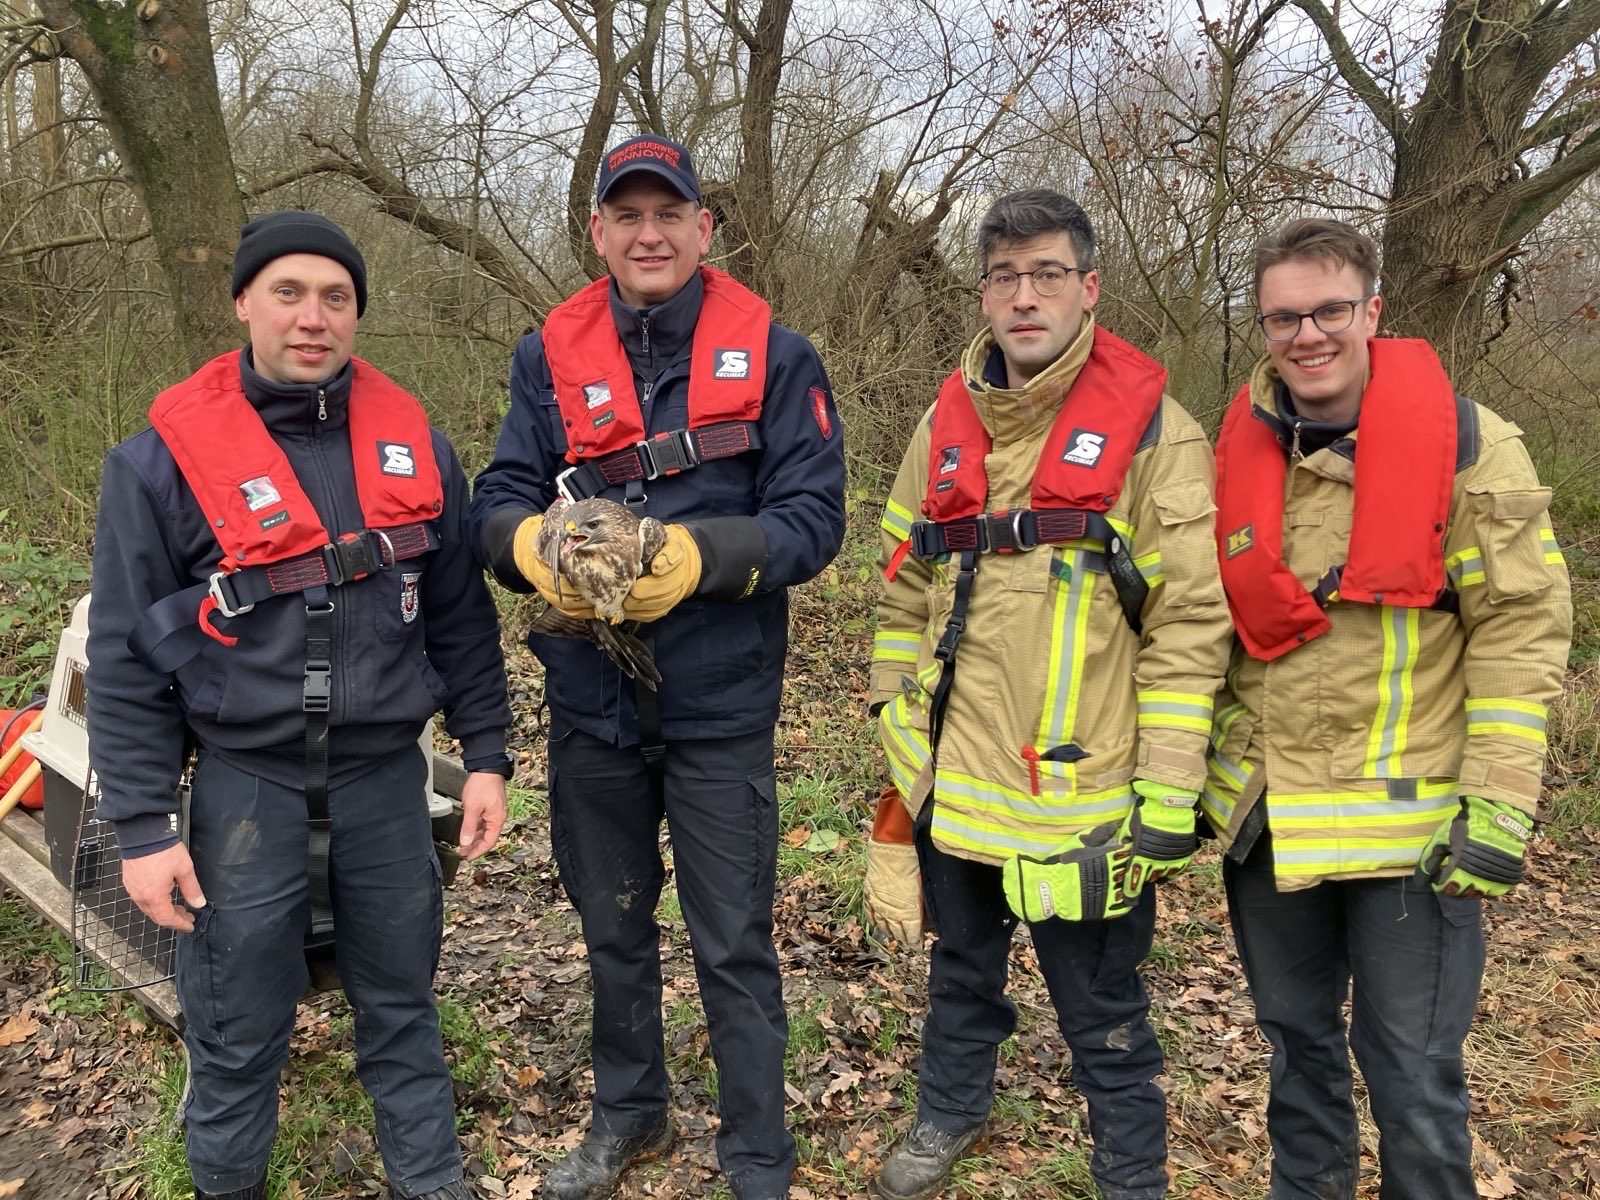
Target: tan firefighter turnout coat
1363,739
1047,661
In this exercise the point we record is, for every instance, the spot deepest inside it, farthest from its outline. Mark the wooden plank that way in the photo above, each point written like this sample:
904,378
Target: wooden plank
27,831
34,883
449,776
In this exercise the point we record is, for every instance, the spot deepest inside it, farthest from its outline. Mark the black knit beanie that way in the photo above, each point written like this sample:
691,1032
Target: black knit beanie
294,231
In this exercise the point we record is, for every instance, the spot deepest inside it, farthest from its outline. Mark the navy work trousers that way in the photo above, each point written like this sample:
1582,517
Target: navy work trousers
1416,961
1091,970
243,969
719,799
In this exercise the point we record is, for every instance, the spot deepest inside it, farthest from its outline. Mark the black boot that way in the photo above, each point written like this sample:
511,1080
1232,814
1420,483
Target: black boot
456,1189
593,1170
920,1165
256,1191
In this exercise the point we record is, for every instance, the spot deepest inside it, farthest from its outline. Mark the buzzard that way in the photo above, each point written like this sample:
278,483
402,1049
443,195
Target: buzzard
598,548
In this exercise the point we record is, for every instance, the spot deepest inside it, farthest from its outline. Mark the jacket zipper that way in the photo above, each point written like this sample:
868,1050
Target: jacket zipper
1294,449
322,405
340,617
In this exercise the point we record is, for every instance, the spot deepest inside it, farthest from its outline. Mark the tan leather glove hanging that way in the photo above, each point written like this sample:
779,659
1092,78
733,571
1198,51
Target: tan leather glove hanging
893,889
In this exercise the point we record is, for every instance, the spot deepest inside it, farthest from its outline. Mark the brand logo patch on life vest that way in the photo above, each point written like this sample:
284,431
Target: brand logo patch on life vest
819,410
596,394
410,603
1241,540
276,519
396,458
603,420
259,492
732,364
949,459
1084,448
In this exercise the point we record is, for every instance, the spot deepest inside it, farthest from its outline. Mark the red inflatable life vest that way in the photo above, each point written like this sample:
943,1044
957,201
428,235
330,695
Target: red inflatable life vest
1405,471
1088,450
246,487
594,380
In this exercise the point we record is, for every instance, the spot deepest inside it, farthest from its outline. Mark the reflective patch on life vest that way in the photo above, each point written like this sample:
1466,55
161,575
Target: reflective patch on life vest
397,458
732,364
259,492
1084,448
1241,540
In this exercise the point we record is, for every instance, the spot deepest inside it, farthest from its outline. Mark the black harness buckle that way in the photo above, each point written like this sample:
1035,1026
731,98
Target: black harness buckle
667,454
354,556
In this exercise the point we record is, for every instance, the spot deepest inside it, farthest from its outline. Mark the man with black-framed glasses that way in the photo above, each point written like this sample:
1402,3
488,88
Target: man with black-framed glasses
1049,534
1399,596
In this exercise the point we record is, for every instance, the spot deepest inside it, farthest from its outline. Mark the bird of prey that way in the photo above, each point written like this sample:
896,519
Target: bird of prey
598,548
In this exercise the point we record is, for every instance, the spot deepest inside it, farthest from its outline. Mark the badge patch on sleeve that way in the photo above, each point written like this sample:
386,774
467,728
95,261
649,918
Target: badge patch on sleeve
410,602
1241,540
819,410
396,458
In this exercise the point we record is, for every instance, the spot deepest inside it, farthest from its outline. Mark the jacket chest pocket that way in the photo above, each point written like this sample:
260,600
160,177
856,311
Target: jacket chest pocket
554,422
397,596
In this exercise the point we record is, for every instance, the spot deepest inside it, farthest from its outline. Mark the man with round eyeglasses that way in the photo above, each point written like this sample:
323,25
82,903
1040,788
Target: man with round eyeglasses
1049,642
668,388
1403,617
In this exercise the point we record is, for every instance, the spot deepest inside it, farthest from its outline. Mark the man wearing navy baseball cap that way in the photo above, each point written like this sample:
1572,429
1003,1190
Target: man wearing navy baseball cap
667,387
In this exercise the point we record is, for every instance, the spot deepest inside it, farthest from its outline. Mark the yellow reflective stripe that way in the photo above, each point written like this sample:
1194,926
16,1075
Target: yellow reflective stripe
1224,722
1225,784
958,822
978,796
1386,740
1552,550
1150,567
906,748
1175,710
1336,856
889,645
1126,530
1465,567
1518,718
897,521
1064,669
1425,791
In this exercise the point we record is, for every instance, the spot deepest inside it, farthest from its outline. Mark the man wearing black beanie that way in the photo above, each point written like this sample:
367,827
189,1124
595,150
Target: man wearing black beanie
282,580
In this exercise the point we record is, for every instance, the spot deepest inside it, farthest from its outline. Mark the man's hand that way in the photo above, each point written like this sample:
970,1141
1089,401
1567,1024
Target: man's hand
1478,853
1079,882
893,888
534,568
483,812
150,881
672,576
1160,834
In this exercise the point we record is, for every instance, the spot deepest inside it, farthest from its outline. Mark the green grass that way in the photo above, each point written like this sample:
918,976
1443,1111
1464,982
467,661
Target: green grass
523,803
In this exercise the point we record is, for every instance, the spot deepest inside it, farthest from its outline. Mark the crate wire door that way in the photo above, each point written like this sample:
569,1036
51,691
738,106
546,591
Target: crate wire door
108,930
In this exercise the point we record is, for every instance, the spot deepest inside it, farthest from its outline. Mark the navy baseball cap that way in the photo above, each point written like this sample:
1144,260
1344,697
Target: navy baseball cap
658,156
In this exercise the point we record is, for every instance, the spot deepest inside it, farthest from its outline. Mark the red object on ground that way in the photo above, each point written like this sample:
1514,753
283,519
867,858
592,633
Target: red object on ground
15,725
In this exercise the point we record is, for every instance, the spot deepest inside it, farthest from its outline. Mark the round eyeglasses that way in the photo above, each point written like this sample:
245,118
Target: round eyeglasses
1333,317
1047,281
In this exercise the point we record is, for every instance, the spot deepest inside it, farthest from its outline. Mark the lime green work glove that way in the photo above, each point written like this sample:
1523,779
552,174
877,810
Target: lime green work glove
1079,882
1478,853
1160,834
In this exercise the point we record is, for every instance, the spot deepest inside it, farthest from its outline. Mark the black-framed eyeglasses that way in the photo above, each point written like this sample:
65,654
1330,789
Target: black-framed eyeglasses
1333,317
1047,281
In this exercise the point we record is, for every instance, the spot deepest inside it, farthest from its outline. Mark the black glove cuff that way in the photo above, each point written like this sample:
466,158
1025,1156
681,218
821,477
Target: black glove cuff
498,547
733,555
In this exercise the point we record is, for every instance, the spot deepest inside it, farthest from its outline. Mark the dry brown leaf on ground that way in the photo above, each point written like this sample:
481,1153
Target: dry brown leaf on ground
18,1028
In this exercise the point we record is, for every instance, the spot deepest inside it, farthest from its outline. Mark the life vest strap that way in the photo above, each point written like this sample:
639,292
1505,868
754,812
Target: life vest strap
1004,532
663,454
1327,591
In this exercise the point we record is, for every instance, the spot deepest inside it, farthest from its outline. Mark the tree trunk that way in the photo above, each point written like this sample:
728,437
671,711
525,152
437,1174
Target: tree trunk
151,68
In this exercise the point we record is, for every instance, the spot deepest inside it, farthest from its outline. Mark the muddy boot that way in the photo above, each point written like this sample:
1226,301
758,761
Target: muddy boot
593,1170
920,1165
456,1189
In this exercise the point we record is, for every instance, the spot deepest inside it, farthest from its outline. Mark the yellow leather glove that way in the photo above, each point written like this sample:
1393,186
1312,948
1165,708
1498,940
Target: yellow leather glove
525,553
893,888
673,576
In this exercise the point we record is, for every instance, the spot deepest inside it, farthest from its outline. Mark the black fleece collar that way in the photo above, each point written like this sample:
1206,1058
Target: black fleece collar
668,326
292,407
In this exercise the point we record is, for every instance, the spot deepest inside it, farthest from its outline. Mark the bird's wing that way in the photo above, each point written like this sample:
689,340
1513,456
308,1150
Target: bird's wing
652,536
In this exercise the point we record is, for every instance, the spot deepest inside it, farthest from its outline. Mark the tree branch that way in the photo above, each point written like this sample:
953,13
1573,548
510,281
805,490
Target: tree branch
1350,69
